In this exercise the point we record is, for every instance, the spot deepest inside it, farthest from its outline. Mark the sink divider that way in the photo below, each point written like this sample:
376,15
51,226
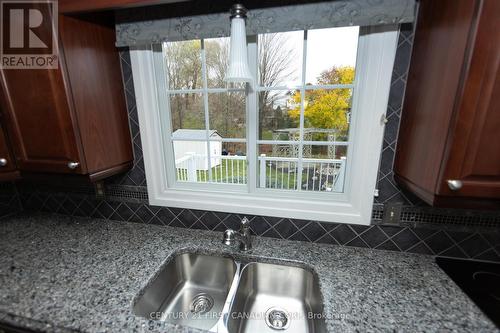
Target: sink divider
221,325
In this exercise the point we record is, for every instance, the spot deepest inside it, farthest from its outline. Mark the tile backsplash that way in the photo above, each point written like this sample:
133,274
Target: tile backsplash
417,228
419,236
9,200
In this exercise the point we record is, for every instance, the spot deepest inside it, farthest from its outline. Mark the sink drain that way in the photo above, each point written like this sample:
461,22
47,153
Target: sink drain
202,303
277,319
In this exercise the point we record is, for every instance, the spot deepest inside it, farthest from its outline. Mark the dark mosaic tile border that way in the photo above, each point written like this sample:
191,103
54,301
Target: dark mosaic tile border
451,218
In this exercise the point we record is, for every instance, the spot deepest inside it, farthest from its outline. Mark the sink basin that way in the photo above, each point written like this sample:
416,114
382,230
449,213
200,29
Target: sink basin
272,298
223,295
190,290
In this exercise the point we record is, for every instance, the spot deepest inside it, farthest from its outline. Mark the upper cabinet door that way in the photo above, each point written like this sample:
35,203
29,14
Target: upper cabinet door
40,121
474,159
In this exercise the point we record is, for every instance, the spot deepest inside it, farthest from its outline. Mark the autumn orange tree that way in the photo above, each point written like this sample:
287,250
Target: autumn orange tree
326,108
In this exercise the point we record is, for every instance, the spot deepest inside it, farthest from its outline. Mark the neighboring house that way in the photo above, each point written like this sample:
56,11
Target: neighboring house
188,142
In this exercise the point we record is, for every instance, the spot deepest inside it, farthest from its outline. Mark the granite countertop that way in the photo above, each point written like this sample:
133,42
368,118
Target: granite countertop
65,274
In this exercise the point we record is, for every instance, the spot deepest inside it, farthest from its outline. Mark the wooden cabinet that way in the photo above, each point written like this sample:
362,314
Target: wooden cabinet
41,121
71,120
448,149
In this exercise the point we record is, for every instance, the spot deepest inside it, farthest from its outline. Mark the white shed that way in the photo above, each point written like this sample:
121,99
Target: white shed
188,142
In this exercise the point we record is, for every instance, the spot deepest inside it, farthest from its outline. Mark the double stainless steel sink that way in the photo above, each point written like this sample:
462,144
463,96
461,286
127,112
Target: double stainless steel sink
220,294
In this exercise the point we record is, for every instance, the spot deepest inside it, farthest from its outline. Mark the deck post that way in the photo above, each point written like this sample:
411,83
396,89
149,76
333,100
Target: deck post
262,161
339,181
191,168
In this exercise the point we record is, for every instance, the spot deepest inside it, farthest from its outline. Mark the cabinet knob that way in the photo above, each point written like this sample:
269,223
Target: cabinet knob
3,162
73,165
454,184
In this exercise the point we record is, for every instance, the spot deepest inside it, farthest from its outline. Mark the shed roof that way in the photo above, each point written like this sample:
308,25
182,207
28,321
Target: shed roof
186,134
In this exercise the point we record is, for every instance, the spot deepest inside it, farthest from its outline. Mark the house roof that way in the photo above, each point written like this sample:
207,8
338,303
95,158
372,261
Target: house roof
186,134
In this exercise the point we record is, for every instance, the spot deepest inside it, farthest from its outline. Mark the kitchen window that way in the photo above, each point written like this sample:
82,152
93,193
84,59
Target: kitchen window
301,141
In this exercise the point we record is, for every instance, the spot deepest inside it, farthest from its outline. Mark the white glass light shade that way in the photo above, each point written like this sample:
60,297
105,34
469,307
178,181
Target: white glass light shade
238,70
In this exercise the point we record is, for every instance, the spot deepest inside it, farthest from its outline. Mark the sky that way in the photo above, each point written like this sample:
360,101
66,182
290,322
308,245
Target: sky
329,47
325,48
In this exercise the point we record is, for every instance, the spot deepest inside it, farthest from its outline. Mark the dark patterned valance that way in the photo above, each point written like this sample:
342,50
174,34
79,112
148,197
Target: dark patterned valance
149,26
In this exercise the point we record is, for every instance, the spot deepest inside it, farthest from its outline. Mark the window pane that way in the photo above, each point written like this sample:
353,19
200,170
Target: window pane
191,161
327,114
230,166
183,61
187,112
323,168
217,55
234,148
279,115
227,113
331,55
227,162
280,58
277,166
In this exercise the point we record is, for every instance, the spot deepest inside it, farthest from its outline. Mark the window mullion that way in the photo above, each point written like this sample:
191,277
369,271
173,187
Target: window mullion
300,164
205,104
252,115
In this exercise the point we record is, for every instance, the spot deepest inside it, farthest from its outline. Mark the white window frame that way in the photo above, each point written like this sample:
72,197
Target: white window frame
376,52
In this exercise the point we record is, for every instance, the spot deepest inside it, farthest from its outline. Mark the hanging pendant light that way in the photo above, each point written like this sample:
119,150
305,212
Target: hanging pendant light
238,70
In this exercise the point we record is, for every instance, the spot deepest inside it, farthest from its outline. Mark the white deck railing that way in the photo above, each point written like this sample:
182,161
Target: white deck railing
318,174
274,172
228,169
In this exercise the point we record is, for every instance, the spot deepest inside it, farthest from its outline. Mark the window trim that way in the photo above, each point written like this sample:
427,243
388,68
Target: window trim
376,53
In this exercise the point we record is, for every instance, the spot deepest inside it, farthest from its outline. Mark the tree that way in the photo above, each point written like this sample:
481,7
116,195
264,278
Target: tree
217,55
227,110
275,68
183,64
337,75
326,108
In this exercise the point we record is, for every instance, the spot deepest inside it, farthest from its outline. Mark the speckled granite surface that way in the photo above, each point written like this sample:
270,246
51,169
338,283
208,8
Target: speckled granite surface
63,274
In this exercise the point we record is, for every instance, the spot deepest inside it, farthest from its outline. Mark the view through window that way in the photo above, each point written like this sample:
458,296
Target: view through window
304,86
